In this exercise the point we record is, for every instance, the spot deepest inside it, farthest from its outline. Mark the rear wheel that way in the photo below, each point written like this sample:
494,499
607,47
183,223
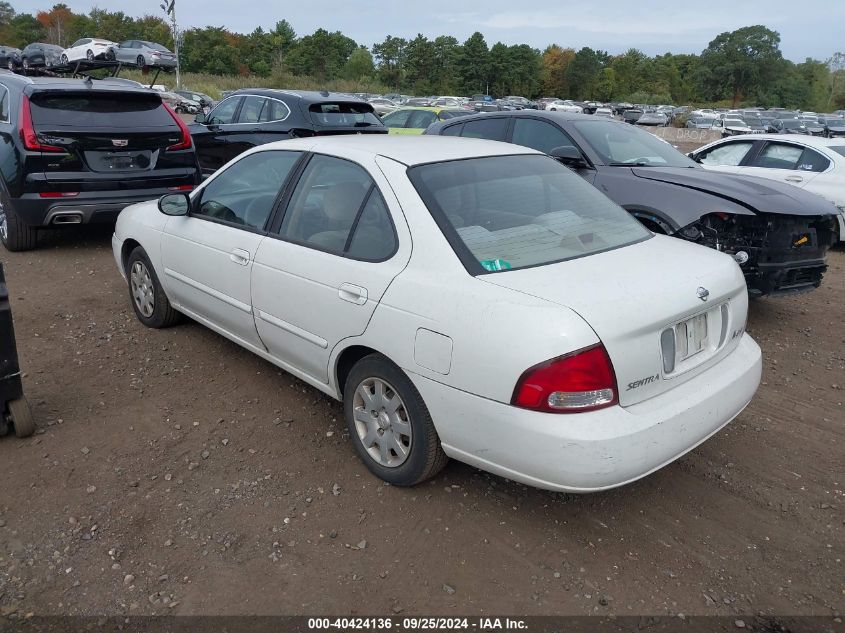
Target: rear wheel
90,55
149,301
110,55
10,64
389,423
141,62
15,234
64,59
21,416
25,63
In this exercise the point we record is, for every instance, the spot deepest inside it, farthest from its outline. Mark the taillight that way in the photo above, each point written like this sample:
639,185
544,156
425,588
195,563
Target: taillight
28,135
181,188
185,143
574,383
58,194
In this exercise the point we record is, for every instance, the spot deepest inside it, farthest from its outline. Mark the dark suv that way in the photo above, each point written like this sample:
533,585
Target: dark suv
78,151
251,117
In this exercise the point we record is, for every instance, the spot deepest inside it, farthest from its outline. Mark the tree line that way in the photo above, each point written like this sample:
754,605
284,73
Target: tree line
742,67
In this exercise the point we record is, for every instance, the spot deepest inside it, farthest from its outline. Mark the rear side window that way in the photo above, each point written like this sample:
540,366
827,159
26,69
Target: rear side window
812,161
452,130
539,135
343,114
106,110
493,129
421,119
778,156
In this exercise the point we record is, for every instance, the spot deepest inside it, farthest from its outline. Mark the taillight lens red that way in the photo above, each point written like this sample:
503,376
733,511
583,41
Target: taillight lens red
28,135
185,143
574,383
181,188
58,194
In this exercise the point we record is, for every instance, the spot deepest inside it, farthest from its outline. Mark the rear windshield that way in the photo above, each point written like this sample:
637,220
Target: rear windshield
340,114
509,212
99,110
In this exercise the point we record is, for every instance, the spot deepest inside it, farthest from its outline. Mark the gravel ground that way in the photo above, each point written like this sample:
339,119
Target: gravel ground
174,472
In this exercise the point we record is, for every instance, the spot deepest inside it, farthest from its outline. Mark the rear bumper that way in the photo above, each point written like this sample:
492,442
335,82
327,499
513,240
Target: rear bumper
100,207
589,452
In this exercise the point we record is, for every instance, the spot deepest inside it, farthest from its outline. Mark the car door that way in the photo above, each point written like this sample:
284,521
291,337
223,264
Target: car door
786,161
727,157
327,262
248,130
207,256
126,52
212,135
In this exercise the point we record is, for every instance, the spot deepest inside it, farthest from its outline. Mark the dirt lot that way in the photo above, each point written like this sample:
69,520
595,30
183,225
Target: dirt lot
174,472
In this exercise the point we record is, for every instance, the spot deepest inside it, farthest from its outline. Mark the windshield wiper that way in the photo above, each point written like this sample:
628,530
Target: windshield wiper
639,164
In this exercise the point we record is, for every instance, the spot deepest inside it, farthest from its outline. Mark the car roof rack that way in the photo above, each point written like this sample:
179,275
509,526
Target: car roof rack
80,70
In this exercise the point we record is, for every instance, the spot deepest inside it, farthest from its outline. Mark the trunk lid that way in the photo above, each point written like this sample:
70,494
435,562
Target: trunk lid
632,295
114,135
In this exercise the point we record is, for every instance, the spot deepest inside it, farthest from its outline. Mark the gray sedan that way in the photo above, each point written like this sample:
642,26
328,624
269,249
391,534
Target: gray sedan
143,54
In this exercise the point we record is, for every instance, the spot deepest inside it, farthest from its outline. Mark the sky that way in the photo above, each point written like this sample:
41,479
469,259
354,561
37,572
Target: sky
812,28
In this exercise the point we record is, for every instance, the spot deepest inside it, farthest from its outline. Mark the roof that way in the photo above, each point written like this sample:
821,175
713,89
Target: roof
437,109
63,83
408,150
308,96
802,139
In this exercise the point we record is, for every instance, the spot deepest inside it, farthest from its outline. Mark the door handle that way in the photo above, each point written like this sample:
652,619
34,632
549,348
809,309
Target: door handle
352,294
794,179
239,256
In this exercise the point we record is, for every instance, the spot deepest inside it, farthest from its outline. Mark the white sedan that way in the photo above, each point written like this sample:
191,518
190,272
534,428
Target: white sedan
463,298
561,105
812,163
88,48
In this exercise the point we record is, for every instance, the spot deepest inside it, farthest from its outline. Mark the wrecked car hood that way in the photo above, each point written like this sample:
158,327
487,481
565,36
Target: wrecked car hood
757,194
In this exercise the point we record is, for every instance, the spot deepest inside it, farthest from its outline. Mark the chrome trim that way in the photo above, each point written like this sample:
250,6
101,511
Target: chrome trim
245,95
292,329
244,307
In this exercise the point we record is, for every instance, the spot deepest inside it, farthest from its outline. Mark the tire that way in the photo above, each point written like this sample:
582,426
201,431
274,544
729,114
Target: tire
65,60
15,234
110,55
10,65
89,55
21,416
141,61
423,457
150,303
25,63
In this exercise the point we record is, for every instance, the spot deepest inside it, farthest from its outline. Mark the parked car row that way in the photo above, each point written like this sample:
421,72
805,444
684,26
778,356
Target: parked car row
42,55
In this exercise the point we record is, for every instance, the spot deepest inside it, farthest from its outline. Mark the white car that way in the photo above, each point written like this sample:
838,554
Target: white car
564,106
463,298
732,126
810,162
90,49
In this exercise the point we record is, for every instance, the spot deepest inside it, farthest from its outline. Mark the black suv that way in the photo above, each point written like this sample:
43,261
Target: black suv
76,151
251,117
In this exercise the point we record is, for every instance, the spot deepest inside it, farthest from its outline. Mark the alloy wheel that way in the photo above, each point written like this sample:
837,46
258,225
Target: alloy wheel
382,422
143,291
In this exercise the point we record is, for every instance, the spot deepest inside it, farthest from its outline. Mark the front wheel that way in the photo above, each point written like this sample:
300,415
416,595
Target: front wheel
110,56
64,59
140,61
90,56
389,423
151,305
25,63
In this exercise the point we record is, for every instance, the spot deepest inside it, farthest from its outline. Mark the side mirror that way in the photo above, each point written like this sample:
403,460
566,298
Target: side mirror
568,155
200,118
174,204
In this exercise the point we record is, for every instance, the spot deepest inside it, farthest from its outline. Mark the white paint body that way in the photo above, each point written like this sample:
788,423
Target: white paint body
96,46
464,341
829,183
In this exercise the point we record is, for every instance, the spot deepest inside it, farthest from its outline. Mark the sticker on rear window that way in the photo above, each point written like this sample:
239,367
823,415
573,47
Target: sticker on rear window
496,264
